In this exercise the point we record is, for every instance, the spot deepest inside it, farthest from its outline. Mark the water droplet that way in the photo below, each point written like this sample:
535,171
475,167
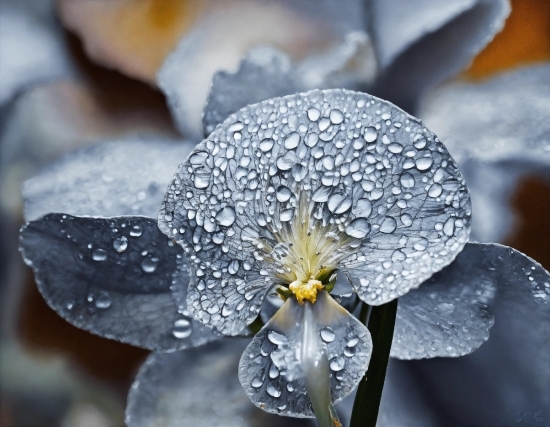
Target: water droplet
272,391
266,144
449,227
339,203
362,208
286,215
321,194
370,134
182,328
226,216
395,148
388,225
273,372
336,117
398,255
120,244
424,163
421,244
435,190
406,219
256,383
292,141
99,255
198,159
358,228
407,180
283,193
313,114
276,338
327,334
149,265
103,300
136,231
446,308
337,363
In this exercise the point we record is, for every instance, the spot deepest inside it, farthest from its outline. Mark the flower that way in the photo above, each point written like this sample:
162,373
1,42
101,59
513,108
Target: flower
286,193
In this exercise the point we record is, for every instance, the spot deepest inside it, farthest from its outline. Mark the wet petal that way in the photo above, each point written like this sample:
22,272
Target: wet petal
270,369
266,72
422,42
197,387
379,192
112,179
119,278
449,315
296,28
510,373
498,131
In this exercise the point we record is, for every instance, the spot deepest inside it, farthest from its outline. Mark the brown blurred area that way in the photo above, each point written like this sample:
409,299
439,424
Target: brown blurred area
525,39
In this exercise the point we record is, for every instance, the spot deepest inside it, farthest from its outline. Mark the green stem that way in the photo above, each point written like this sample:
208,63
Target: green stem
381,323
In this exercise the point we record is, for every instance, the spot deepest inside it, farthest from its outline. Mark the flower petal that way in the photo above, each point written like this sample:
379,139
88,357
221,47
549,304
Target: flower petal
510,373
270,369
196,387
498,131
371,174
119,278
449,314
112,179
423,42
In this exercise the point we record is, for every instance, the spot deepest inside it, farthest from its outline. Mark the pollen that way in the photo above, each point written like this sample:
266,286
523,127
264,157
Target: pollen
306,290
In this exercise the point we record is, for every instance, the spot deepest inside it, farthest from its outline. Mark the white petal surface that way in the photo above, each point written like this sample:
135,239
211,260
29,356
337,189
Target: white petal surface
112,179
510,373
119,278
385,200
449,314
270,369
199,388
422,42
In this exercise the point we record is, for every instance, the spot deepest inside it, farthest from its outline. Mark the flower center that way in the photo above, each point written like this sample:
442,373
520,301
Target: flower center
306,290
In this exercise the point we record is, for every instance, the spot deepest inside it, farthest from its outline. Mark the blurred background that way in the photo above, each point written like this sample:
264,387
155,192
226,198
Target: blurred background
72,75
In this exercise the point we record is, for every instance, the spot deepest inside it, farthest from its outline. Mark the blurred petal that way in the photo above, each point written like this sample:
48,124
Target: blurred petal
52,119
271,368
266,72
32,46
119,278
375,187
498,131
197,387
227,30
422,42
111,179
448,315
510,373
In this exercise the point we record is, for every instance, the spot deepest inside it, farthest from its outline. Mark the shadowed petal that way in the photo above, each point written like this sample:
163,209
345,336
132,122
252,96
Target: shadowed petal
510,373
112,179
271,369
119,278
423,42
449,314
375,191
197,387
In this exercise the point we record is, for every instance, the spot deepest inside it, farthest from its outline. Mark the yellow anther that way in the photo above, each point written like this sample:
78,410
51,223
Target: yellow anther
306,290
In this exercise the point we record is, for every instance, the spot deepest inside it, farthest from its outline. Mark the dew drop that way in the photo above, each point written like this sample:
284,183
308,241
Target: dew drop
283,193
406,219
388,225
266,144
327,334
313,114
336,117
149,265
182,328
103,300
272,391
136,231
339,203
370,134
424,163
120,244
226,216
99,255
395,148
292,141
337,363
407,180
363,208
358,228
256,383
435,190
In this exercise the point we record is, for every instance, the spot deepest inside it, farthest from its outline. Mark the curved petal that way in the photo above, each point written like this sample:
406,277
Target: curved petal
111,179
420,43
197,387
271,369
379,192
449,314
119,278
510,373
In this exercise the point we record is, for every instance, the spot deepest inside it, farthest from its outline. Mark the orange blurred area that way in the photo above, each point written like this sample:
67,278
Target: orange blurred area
525,39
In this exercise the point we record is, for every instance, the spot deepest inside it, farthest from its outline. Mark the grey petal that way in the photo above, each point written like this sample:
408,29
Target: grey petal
510,373
390,203
498,131
119,278
266,72
227,30
422,42
197,387
270,371
111,179
449,314
32,46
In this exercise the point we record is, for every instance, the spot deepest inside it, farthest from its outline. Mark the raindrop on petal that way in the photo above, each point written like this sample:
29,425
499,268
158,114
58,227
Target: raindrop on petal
358,228
388,225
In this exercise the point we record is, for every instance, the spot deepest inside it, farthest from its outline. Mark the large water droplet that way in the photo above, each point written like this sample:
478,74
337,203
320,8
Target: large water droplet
337,363
388,225
275,337
120,244
407,180
99,255
358,228
424,163
256,383
327,334
339,203
272,391
363,208
103,300
266,144
226,216
149,265
273,372
435,190
283,193
136,231
182,328
406,219
292,141
395,148
336,117
370,134
286,215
